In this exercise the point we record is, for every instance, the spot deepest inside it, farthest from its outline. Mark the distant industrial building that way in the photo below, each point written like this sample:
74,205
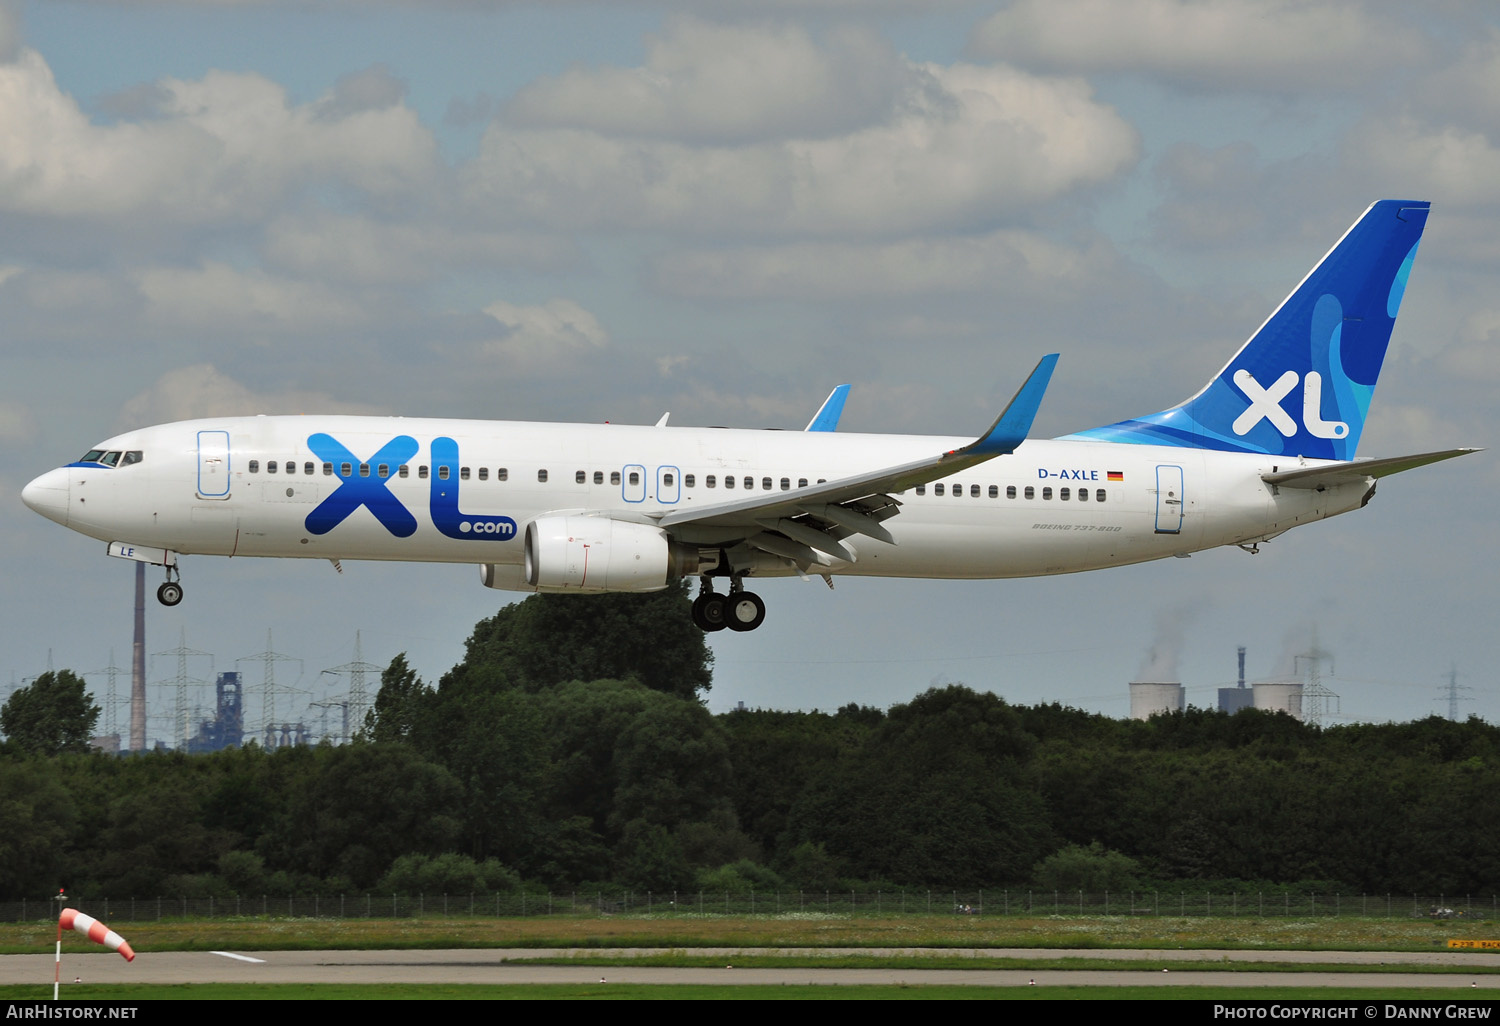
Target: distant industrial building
1151,698
227,728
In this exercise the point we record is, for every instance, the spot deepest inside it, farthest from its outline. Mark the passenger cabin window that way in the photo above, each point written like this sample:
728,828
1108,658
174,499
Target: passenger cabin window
1083,495
635,478
1098,494
689,480
974,491
402,470
443,472
463,473
614,477
728,481
1030,492
994,491
422,472
1010,491
1046,493
801,482
666,480
786,484
383,471
711,481
307,468
541,477
346,470
937,489
484,473
254,466
921,489
765,483
1063,493
364,470
581,477
598,477
270,466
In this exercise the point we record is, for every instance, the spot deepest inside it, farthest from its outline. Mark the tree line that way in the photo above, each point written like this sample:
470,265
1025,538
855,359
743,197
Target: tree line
571,749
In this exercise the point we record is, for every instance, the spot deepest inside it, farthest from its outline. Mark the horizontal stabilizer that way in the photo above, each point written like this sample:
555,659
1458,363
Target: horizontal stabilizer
1359,470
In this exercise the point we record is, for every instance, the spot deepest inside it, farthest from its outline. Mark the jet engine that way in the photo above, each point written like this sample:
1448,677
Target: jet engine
597,554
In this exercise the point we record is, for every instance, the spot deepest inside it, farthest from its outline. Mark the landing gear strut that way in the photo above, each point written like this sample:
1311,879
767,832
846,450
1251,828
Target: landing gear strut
170,593
739,610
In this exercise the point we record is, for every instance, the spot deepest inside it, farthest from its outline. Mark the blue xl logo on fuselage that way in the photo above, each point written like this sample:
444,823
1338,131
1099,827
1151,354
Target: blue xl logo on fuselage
358,486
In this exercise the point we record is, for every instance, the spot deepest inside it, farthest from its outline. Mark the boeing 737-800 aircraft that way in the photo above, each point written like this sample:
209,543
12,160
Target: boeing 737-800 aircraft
1267,445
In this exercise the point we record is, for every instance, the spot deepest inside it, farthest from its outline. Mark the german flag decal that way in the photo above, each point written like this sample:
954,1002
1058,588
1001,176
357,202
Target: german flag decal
1116,475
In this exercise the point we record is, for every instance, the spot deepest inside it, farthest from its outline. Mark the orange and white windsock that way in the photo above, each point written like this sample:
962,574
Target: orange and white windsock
72,919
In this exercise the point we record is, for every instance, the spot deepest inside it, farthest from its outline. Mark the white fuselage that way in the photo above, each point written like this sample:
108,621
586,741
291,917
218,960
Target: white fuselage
207,487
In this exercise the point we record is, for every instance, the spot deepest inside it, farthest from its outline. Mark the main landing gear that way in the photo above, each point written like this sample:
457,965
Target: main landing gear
170,594
739,610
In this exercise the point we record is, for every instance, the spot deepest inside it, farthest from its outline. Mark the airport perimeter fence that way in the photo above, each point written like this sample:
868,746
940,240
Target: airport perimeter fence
869,904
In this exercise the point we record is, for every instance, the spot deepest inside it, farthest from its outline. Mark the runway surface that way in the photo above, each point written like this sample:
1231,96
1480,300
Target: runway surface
495,965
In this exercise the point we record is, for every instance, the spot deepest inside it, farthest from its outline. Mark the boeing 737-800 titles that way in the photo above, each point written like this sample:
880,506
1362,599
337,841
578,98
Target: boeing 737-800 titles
1267,445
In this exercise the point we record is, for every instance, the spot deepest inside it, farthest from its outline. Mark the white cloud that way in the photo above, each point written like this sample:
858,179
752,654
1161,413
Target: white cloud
17,424
723,83
1453,165
1007,262
226,147
963,145
1274,45
201,390
217,296
536,336
333,247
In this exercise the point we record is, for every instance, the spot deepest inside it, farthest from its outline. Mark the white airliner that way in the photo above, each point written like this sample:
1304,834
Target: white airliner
1267,445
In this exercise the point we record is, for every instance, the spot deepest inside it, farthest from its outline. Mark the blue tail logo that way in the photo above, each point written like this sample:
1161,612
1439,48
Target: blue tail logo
1323,346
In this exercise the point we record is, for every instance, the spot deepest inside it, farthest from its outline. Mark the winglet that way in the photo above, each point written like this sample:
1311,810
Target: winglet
827,417
1012,426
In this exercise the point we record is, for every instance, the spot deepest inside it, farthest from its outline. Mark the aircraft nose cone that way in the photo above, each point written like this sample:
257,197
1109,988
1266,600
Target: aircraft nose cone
48,495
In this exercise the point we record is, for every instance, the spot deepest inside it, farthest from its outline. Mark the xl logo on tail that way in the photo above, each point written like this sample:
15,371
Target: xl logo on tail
1265,404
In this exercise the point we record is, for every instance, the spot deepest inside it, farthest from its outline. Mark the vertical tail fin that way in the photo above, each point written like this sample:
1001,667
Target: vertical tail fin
1302,385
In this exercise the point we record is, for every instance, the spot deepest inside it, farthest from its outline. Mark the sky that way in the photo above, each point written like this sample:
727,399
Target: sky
583,212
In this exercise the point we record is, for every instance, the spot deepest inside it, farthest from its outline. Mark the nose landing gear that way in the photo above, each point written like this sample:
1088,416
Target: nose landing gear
170,593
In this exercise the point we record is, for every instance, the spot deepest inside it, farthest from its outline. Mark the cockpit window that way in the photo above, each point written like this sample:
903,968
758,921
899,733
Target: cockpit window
111,458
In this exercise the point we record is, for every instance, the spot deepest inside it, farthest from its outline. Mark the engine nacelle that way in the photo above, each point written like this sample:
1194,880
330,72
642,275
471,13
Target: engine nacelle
597,554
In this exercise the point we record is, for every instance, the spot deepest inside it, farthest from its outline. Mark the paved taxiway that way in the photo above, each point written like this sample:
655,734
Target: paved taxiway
500,966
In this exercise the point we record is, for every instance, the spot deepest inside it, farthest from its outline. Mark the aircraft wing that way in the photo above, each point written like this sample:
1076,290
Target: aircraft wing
813,519
1358,470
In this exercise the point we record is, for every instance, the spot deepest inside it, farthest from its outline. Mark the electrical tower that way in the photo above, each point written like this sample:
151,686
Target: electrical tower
1452,688
269,689
359,695
111,697
1317,700
181,719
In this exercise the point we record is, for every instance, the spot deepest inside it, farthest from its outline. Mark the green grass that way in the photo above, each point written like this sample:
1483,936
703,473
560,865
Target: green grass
766,931
684,960
691,992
